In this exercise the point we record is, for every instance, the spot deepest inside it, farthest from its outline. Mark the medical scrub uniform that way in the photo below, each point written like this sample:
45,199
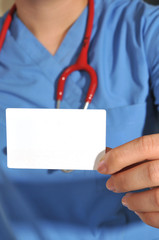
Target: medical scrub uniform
124,51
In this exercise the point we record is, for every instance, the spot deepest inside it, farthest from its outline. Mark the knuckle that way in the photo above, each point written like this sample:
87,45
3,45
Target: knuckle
147,143
153,173
156,197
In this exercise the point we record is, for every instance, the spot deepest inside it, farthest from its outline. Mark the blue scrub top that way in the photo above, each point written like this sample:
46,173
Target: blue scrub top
124,51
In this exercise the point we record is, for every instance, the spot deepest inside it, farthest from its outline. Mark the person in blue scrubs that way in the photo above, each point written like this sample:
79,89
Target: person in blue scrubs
44,38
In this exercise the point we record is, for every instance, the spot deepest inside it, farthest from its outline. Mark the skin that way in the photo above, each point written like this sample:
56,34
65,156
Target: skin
49,20
135,166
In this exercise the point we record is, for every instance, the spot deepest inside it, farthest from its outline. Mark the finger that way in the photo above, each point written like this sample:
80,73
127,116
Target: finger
106,151
151,218
147,201
143,176
136,151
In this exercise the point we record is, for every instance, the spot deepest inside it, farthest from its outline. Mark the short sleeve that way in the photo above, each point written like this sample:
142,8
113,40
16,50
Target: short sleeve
151,44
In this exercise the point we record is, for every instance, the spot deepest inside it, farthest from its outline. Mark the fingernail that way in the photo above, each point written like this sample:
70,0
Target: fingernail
110,185
124,201
101,167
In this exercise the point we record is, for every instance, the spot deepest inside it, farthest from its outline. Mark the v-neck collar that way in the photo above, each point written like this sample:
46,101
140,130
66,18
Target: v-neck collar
37,52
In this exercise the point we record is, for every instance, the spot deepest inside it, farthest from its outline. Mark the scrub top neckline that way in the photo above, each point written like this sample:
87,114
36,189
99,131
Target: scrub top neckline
36,50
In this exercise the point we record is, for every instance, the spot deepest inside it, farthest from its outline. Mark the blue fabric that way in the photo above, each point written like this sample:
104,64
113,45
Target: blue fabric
124,51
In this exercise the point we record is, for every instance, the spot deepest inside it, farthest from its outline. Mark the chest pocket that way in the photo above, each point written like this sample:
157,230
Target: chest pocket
127,123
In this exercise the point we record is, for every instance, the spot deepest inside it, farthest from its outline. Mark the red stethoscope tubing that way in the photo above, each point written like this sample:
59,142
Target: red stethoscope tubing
80,64
6,25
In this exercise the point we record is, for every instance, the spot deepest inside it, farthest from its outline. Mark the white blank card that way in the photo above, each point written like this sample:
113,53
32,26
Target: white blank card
55,138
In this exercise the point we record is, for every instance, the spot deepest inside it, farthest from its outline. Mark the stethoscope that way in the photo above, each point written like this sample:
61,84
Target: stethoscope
80,64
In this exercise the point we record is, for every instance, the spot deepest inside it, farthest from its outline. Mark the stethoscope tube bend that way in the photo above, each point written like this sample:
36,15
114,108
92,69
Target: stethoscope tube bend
81,63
